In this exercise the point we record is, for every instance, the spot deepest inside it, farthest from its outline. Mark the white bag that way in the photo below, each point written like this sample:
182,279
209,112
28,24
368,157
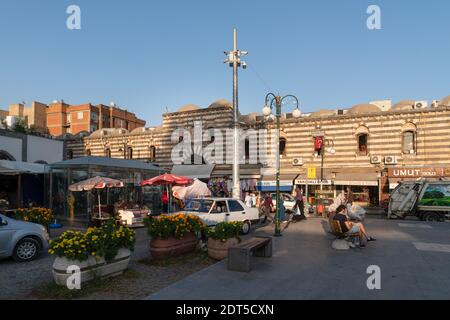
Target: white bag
356,212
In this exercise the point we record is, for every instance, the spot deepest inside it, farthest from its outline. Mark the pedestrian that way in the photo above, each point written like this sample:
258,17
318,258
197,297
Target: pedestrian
349,197
254,199
299,207
165,202
248,199
267,206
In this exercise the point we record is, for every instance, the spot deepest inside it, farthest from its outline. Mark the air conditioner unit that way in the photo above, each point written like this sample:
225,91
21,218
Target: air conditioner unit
375,159
390,160
297,161
435,103
420,104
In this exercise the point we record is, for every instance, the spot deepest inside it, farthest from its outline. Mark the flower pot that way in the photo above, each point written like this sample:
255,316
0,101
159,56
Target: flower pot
91,268
219,250
165,248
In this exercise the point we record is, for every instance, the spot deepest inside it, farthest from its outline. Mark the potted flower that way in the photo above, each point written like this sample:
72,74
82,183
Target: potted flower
98,252
42,216
173,235
223,236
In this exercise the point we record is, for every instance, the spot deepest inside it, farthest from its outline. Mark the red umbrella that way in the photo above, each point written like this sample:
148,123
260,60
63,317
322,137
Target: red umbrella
167,180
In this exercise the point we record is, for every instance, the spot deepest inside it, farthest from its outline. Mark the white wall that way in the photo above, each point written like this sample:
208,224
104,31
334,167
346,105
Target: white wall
41,149
13,146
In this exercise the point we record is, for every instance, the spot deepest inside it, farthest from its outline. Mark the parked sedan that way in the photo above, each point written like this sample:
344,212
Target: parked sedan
289,201
21,240
215,210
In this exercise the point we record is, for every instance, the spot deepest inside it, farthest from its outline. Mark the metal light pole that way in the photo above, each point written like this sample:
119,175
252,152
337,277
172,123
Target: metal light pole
235,62
267,110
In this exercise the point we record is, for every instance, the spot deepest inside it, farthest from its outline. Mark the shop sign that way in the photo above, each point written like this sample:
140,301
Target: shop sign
418,172
312,174
312,181
283,183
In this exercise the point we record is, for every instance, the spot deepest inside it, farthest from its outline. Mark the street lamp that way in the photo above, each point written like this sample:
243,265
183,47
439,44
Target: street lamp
267,111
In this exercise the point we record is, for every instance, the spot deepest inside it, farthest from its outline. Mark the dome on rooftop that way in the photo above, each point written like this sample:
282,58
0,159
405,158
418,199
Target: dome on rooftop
220,104
364,108
404,105
188,107
322,113
445,101
249,118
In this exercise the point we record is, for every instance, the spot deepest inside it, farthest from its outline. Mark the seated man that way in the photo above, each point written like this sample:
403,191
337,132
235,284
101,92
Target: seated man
349,227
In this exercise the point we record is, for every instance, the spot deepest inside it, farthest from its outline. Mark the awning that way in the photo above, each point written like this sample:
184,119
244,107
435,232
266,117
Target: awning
357,178
19,167
269,182
202,171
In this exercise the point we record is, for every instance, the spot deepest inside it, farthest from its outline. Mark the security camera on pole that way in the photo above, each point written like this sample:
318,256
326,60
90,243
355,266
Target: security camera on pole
234,61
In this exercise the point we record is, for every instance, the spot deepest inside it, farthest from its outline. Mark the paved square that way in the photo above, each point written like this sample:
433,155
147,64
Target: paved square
304,266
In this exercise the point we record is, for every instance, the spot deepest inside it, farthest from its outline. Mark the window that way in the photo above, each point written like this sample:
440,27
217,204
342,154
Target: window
108,153
409,142
362,144
152,153
233,205
80,115
69,154
247,150
88,152
130,153
94,116
219,207
283,146
4,155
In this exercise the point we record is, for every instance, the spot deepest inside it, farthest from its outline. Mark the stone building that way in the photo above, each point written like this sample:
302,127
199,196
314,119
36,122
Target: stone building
364,147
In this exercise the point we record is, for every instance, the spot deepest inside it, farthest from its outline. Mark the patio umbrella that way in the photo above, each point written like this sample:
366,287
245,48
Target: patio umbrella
96,183
167,180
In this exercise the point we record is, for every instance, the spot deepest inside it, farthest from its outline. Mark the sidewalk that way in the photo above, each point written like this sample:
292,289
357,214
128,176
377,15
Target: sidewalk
304,266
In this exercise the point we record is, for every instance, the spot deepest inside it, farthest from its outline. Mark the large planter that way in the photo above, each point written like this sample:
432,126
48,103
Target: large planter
219,250
166,248
91,268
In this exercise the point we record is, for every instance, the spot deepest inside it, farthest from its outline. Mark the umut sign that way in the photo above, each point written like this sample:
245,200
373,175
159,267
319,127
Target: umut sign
418,172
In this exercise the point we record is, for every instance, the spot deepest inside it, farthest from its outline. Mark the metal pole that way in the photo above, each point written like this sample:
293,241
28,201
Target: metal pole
236,176
278,114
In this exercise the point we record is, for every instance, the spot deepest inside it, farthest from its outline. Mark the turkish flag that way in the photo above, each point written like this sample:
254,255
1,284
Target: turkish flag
318,143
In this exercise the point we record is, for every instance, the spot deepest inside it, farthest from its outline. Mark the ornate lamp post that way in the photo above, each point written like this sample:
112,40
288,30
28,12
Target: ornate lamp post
267,111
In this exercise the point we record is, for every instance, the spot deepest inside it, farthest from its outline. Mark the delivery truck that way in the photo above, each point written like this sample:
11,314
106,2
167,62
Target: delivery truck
427,199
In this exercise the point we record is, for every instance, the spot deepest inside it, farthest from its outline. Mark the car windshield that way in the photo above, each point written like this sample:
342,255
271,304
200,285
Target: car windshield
199,205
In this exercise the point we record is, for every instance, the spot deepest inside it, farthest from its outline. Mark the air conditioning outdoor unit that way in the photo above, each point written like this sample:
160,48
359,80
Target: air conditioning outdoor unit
420,104
435,104
297,161
390,160
375,159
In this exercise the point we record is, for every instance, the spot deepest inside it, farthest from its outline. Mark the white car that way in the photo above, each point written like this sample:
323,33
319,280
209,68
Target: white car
289,201
215,210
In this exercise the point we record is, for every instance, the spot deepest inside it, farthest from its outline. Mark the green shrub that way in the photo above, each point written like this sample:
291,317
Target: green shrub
225,230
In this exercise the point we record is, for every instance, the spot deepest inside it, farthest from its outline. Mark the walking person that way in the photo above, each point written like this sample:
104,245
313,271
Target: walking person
248,200
299,204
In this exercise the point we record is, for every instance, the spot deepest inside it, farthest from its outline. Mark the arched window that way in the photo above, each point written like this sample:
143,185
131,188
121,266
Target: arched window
152,156
69,154
108,152
409,142
88,152
4,155
283,142
129,153
363,138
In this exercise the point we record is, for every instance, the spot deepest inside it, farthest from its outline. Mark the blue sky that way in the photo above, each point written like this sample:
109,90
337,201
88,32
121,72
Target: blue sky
149,55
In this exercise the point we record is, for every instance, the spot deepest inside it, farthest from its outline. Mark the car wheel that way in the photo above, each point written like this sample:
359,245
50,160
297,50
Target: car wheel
26,249
246,228
431,216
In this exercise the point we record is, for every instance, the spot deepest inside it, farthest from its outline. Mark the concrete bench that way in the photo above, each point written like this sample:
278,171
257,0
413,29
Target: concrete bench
239,256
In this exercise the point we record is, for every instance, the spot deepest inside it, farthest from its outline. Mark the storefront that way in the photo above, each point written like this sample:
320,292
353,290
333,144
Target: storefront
22,184
363,182
396,175
80,205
